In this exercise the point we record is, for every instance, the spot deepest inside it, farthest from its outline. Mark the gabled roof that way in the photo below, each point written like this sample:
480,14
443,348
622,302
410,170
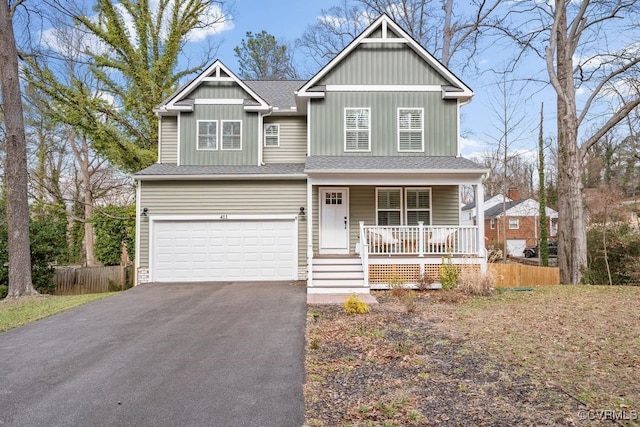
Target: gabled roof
524,207
217,71
388,28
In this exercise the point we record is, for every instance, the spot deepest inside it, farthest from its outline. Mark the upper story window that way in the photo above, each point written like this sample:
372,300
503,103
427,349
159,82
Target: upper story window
231,135
207,134
492,224
357,129
418,205
514,223
410,130
271,135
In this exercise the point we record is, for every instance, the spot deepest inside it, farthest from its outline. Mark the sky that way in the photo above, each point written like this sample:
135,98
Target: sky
287,21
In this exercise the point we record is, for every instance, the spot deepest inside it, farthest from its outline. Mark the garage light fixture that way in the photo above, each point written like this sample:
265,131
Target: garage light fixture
144,211
302,213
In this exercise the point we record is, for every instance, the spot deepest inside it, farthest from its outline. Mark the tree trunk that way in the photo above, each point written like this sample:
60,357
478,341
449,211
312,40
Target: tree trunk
16,162
572,235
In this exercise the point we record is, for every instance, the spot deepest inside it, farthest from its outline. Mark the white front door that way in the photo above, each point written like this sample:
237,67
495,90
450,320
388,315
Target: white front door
334,221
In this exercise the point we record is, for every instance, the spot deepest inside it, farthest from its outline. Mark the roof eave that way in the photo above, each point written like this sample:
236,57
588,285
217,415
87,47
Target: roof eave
207,177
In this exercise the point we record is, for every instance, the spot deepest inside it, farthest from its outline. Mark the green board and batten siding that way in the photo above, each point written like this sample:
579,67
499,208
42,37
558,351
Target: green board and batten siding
402,66
168,139
293,141
219,90
440,122
189,155
362,207
257,197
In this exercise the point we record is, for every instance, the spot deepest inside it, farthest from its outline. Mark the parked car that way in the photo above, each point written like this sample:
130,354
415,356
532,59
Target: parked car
532,251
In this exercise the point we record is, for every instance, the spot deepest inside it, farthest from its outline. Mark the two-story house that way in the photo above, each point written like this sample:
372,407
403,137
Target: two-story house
348,180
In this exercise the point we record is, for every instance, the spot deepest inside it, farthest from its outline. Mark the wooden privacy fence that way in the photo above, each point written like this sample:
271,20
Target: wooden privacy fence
92,280
515,275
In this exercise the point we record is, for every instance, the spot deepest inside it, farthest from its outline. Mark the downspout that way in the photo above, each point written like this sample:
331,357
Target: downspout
261,134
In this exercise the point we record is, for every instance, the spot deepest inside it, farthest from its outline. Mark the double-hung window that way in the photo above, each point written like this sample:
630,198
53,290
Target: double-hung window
398,206
271,135
207,134
514,224
418,205
231,135
389,206
410,129
357,129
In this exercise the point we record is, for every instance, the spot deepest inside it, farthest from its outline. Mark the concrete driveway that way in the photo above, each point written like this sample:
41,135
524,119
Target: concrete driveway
211,354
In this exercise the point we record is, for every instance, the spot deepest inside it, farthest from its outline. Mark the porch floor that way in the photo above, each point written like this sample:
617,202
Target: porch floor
318,299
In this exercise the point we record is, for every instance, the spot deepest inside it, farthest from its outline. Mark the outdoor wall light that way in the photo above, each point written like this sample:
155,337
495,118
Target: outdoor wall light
302,212
144,211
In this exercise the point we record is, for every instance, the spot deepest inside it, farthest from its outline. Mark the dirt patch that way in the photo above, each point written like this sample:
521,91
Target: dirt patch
449,362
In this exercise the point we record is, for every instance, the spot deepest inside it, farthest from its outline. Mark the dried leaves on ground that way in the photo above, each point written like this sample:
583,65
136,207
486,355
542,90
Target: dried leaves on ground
442,358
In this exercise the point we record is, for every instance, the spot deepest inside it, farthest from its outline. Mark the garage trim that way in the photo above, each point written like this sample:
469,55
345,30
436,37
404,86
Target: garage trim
222,217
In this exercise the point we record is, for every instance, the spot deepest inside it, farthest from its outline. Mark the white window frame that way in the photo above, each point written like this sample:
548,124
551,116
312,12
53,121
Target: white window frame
492,223
217,134
222,122
277,134
407,209
358,130
411,130
515,225
400,209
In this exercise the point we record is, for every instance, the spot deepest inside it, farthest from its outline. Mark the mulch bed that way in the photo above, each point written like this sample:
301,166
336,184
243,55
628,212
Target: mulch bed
390,367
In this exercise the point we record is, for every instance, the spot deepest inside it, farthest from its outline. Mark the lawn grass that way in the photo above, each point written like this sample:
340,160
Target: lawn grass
545,357
584,340
19,312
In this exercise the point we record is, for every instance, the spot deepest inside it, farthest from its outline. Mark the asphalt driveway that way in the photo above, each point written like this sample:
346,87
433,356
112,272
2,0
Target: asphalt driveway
211,354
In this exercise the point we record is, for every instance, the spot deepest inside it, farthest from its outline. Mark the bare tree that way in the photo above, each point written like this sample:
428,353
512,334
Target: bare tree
17,180
573,26
445,28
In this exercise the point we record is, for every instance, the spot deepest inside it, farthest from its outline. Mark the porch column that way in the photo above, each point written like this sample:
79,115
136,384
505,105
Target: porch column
482,250
309,233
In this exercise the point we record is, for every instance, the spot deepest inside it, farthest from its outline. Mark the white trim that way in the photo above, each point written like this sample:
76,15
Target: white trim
159,139
217,101
384,20
310,214
399,131
345,201
179,138
368,129
308,127
394,179
222,122
217,146
212,177
138,230
383,88
212,69
264,133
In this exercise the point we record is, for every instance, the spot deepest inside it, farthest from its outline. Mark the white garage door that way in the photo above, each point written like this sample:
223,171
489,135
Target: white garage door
196,251
515,247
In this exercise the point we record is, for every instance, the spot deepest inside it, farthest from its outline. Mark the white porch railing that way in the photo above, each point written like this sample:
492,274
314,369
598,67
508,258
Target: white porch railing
417,240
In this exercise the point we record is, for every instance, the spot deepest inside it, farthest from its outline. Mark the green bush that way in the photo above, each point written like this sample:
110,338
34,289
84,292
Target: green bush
449,274
114,225
353,305
4,290
622,254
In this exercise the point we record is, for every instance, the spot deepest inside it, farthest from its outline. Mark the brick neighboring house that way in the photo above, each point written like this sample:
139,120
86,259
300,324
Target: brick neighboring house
522,228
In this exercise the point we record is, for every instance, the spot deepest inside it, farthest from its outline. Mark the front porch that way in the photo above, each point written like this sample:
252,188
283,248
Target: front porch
396,255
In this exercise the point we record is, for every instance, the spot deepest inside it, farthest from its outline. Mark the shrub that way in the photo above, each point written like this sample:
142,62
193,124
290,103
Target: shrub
622,255
353,305
448,273
114,225
4,290
473,282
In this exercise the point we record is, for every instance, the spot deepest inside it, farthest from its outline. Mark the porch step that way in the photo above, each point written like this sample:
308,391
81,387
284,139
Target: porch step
337,272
